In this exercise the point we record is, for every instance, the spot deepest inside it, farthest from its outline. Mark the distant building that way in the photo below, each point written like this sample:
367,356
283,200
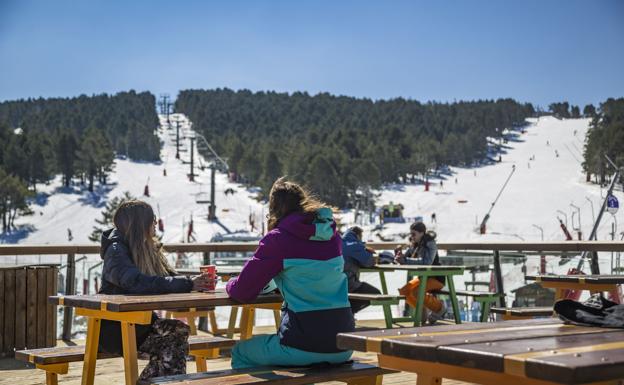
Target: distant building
532,295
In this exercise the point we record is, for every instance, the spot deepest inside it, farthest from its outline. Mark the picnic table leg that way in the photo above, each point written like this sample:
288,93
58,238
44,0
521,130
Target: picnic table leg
91,350
485,310
451,286
214,326
232,321
247,322
191,323
128,339
386,307
420,301
382,279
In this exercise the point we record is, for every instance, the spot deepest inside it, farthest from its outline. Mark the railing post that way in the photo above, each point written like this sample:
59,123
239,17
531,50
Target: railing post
499,279
207,258
70,289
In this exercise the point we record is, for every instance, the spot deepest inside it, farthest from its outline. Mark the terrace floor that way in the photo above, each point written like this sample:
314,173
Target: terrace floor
110,371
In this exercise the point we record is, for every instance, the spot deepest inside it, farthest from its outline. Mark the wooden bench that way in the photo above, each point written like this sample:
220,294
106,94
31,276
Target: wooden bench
56,360
485,298
510,313
356,373
384,300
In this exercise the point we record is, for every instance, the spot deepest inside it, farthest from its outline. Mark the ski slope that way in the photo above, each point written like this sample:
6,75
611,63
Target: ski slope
57,209
548,178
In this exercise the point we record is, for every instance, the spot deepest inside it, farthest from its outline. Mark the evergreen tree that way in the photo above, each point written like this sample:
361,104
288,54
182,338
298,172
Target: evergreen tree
589,111
13,194
66,158
560,110
271,171
106,222
40,159
575,112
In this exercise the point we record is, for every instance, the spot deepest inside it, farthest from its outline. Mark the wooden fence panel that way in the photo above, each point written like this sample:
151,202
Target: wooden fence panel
9,313
51,284
1,315
26,319
31,308
20,309
42,305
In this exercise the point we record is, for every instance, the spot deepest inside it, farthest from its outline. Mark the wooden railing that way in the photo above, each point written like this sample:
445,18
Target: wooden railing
593,247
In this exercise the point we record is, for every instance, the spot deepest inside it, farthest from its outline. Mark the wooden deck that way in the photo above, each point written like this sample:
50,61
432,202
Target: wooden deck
110,371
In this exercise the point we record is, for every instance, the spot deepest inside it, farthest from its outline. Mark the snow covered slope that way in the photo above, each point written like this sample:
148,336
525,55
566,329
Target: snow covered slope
58,209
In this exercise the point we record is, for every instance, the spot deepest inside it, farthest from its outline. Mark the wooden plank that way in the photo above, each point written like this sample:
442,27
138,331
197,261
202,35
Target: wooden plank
491,355
123,303
275,375
51,284
9,313
476,376
578,368
251,246
42,305
2,310
75,353
470,293
31,308
56,355
359,341
20,308
544,311
426,347
420,268
587,279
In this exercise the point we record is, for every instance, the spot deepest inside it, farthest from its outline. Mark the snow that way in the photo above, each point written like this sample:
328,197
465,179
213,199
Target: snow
542,184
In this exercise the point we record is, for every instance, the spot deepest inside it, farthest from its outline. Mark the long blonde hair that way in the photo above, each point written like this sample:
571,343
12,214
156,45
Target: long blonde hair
135,219
288,197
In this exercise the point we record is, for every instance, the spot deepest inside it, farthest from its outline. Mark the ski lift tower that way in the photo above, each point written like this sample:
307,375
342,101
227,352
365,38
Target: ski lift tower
216,162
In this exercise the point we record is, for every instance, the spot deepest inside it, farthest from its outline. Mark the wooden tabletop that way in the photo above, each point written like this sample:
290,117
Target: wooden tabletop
123,303
543,349
393,267
588,279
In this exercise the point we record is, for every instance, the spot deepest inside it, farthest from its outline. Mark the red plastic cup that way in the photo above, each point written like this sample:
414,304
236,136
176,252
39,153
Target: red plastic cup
211,271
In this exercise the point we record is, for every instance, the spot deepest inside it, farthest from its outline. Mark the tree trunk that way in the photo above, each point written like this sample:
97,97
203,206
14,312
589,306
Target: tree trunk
91,176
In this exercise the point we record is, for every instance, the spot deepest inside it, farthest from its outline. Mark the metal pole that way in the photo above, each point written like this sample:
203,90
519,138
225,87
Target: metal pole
592,207
177,139
191,175
70,289
212,209
89,273
499,279
595,269
565,216
580,229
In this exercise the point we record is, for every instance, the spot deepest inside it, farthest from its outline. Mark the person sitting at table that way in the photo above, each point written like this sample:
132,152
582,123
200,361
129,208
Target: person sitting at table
356,255
423,250
302,254
134,263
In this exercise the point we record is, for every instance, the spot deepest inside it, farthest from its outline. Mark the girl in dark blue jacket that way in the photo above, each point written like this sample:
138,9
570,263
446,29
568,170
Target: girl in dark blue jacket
134,263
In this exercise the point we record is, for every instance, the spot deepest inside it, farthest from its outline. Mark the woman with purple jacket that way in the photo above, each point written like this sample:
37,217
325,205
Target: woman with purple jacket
302,254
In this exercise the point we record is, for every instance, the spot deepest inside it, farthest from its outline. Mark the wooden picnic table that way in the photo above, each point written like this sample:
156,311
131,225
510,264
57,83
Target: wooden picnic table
422,272
137,309
530,352
592,283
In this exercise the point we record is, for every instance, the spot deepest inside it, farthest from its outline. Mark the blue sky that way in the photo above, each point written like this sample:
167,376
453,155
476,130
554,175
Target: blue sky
535,51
